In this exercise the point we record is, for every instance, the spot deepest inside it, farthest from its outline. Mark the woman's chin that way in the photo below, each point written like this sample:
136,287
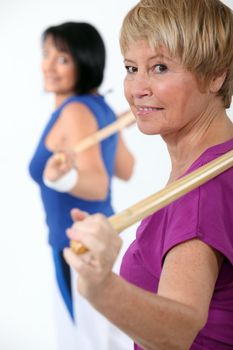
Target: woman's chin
146,128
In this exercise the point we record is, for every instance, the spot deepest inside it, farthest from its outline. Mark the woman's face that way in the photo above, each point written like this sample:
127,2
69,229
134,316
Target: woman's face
164,97
58,69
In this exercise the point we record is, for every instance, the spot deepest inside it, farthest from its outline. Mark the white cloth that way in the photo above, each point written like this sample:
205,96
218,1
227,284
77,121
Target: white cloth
65,183
93,330
65,329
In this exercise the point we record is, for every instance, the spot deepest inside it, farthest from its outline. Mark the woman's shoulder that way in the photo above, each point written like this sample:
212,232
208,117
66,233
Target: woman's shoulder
212,153
74,114
205,213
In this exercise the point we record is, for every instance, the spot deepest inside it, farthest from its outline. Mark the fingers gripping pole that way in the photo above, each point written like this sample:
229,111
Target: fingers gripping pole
165,196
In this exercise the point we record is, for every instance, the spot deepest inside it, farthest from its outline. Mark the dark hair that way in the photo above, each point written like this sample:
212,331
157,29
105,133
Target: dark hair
87,49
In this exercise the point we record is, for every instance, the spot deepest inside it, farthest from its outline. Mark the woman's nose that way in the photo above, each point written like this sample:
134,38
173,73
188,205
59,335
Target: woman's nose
141,86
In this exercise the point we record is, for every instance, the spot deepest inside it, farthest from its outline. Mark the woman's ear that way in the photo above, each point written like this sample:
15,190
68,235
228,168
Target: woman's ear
217,81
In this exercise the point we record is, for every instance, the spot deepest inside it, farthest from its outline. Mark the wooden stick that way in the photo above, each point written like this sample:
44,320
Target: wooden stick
100,135
105,132
165,196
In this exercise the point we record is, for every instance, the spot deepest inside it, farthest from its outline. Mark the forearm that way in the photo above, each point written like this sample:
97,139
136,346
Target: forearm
150,320
91,186
129,163
124,163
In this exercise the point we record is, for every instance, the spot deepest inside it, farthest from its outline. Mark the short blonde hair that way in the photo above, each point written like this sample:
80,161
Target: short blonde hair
200,32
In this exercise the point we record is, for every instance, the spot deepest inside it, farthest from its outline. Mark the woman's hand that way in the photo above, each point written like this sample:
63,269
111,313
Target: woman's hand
58,165
94,267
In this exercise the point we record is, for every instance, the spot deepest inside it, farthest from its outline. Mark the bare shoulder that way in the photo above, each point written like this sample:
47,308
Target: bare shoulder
77,114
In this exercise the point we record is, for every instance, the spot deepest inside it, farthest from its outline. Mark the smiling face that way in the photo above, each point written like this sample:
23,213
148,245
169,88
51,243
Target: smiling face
164,97
58,69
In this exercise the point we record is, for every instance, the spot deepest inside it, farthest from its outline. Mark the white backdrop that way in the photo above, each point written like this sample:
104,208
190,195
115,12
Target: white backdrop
25,293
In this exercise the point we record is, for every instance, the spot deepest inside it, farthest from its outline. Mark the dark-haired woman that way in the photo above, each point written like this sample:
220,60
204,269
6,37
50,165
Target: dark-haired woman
73,67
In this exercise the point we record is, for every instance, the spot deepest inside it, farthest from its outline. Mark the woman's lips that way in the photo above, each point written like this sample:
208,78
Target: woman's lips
146,110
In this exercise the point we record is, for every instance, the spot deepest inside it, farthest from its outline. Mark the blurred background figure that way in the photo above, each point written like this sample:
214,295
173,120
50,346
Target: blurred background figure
73,68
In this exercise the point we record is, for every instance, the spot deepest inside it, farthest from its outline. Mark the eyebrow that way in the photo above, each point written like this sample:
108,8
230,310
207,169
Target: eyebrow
160,56
60,50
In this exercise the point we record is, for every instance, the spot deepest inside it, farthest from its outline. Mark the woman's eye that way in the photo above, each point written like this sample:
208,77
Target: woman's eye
130,69
62,59
160,68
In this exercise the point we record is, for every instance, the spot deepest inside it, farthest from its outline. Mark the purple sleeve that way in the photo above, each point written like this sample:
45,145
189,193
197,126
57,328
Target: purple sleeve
205,213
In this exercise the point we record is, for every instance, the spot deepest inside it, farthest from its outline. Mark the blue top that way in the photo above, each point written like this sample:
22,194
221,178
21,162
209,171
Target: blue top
58,205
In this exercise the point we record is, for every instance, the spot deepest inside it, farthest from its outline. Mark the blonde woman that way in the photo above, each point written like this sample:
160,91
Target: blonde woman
176,286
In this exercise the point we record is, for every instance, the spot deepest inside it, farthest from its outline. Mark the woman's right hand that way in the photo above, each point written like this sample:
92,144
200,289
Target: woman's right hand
94,267
58,165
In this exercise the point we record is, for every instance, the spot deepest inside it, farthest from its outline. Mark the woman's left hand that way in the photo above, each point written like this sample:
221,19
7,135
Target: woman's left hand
95,266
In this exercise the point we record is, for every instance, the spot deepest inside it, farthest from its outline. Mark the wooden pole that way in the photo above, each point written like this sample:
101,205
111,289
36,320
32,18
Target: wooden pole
105,132
100,135
165,196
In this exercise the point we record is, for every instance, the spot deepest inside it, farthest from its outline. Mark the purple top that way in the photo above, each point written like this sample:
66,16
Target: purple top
207,214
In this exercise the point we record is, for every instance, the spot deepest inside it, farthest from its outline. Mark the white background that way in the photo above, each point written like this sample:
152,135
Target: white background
26,321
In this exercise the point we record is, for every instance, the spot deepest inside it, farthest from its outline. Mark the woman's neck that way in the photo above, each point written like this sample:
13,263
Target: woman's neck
60,98
185,148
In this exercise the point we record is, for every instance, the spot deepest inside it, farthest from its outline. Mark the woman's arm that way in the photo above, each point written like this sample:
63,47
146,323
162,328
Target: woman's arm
76,123
124,163
169,320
